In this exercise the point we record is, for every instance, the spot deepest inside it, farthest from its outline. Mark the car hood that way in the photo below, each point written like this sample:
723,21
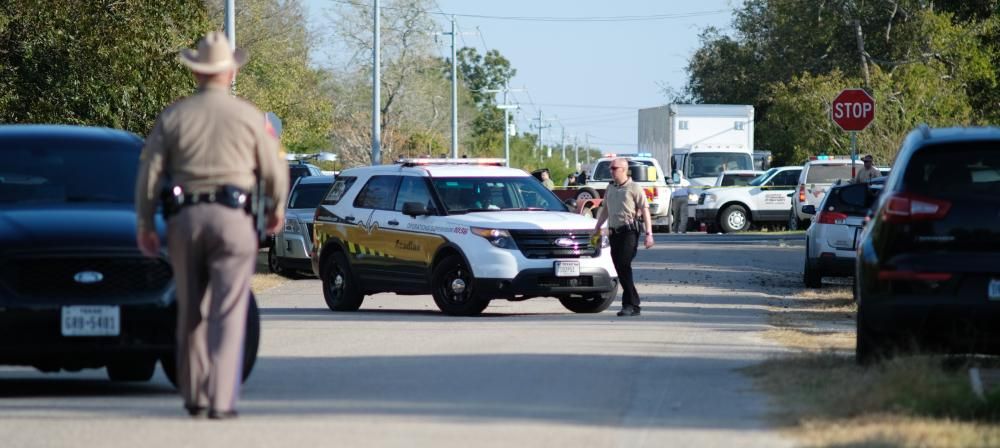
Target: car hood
523,220
69,226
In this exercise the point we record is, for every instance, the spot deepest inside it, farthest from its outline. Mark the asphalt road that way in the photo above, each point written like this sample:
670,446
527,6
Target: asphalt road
398,373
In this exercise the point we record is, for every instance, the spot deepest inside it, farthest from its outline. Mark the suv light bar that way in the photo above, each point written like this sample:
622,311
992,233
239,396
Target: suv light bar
440,161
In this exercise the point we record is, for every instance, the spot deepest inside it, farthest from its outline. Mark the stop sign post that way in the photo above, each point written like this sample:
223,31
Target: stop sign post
853,110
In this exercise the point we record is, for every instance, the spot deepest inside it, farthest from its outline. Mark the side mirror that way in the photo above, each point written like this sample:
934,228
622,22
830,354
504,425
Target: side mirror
675,177
809,209
415,209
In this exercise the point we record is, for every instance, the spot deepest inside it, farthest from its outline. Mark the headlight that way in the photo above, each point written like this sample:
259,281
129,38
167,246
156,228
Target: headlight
292,225
709,197
693,197
497,237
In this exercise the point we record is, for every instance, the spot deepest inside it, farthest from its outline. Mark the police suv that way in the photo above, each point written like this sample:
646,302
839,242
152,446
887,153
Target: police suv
466,231
766,198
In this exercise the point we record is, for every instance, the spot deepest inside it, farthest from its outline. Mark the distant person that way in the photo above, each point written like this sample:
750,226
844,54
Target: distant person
570,180
581,180
547,181
679,210
868,172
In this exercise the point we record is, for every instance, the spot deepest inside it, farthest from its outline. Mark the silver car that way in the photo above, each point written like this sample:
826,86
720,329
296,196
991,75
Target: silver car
832,239
289,255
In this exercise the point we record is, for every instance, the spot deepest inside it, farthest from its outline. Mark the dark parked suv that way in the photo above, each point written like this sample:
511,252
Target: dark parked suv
75,292
928,265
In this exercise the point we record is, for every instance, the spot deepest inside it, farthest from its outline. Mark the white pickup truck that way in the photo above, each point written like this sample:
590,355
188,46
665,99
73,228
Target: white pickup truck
767,198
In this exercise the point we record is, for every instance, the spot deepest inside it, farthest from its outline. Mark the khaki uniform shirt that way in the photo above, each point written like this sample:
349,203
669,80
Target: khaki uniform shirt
203,142
865,175
625,203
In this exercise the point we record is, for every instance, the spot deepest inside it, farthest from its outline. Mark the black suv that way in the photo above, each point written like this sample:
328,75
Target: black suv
928,264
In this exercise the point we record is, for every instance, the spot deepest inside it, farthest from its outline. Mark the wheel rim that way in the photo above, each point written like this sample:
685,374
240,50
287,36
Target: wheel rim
736,220
584,196
272,261
793,223
454,286
336,284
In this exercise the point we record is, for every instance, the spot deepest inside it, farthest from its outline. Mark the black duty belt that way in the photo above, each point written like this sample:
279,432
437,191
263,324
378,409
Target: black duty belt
634,227
230,196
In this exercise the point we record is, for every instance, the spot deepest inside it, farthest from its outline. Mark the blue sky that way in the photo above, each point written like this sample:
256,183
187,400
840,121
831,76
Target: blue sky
604,70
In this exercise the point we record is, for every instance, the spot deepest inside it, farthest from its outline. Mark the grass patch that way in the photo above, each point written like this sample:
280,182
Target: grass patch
262,282
826,399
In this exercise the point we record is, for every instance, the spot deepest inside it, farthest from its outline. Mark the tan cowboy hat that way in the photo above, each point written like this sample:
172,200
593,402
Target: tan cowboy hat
213,55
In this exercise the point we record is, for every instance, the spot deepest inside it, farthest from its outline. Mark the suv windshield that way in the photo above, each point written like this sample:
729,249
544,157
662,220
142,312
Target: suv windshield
308,195
40,171
602,171
475,194
757,181
828,174
710,164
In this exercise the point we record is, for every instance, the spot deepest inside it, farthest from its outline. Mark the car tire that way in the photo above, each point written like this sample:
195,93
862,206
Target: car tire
811,275
132,369
867,348
452,286
592,304
251,344
586,194
340,288
273,263
734,218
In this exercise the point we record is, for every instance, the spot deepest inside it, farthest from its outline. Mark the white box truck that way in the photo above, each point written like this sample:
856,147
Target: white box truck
697,142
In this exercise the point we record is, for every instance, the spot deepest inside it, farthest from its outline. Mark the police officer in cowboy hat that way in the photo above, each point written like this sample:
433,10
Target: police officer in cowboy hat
209,145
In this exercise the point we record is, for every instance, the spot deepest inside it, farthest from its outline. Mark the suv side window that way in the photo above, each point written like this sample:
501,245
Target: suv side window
414,189
786,179
378,193
339,188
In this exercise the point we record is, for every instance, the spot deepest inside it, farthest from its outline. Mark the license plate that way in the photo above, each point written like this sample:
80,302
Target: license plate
994,289
567,269
91,321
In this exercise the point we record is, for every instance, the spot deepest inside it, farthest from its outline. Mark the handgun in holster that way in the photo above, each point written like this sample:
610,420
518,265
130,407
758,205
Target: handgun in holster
259,205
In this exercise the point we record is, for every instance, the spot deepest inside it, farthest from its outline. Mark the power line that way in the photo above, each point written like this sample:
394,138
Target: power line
582,19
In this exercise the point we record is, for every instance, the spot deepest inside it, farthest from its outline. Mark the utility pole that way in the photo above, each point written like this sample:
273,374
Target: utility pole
230,26
562,141
861,51
541,127
586,147
454,94
576,154
506,107
376,88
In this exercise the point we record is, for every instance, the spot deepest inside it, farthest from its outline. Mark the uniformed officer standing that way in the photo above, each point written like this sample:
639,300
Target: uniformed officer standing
209,145
624,203
868,172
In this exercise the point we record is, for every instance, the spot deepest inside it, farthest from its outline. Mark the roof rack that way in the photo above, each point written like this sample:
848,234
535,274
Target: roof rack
443,161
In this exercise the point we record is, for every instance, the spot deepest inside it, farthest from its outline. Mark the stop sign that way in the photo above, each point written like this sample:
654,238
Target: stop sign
853,109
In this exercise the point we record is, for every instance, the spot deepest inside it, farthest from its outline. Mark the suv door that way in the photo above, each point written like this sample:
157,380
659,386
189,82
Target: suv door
411,240
367,243
772,200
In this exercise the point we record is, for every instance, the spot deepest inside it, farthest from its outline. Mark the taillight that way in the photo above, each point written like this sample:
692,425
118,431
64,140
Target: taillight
906,207
914,276
802,193
826,217
650,193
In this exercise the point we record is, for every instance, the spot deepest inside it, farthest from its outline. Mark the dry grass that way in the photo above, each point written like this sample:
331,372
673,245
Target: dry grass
262,282
827,400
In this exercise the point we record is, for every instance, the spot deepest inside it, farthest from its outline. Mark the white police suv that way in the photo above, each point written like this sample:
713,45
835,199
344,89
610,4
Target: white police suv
467,231
766,198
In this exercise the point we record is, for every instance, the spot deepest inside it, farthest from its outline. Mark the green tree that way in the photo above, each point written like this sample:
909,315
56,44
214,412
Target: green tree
100,62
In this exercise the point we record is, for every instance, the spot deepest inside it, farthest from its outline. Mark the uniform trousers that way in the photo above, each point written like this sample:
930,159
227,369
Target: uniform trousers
624,246
678,214
213,253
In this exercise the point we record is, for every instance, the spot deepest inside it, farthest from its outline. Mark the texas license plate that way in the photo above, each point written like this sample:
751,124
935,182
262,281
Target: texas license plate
994,289
567,269
97,320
